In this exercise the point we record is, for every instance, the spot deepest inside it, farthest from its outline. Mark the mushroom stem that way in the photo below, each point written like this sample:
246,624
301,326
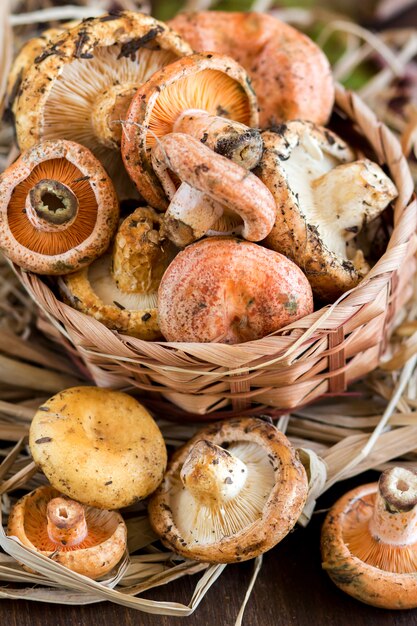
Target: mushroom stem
67,525
212,474
394,519
231,139
352,194
51,205
109,109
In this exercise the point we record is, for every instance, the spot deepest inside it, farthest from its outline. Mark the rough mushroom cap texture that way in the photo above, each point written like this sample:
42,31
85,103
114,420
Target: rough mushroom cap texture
228,290
217,177
234,533
307,230
120,290
80,86
290,74
348,517
94,557
98,446
208,82
70,246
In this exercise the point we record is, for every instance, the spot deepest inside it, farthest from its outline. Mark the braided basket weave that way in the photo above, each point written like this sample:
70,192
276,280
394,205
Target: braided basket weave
317,355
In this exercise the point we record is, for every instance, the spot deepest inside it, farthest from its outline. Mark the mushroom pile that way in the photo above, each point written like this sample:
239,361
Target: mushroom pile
247,210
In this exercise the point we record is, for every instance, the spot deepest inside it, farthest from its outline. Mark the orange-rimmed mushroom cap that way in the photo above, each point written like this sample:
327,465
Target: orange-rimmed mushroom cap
228,290
58,208
81,84
87,540
188,92
369,541
290,74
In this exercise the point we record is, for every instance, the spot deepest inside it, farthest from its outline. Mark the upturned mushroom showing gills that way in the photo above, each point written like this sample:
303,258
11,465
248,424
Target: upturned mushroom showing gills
120,289
58,208
208,96
84,539
224,183
369,541
290,74
80,86
323,200
231,493
227,290
97,446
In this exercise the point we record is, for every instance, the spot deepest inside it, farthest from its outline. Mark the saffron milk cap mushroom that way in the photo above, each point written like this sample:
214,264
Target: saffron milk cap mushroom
97,446
84,539
80,86
58,208
227,290
323,200
369,541
208,96
290,74
232,492
120,289
178,156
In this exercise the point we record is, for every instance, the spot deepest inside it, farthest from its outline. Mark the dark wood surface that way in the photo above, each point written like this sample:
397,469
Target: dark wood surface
291,590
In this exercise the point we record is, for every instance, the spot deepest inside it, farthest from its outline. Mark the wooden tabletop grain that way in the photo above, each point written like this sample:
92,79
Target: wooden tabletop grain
291,590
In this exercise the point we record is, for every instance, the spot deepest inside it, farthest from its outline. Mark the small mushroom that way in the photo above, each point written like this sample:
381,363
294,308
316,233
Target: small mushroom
84,539
207,96
80,86
58,208
231,493
290,74
369,541
227,290
120,289
323,200
215,177
97,446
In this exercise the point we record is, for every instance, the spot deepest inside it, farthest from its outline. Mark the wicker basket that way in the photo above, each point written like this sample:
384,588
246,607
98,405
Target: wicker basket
317,355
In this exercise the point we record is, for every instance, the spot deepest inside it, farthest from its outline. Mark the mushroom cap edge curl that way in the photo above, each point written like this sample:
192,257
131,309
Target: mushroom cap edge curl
271,515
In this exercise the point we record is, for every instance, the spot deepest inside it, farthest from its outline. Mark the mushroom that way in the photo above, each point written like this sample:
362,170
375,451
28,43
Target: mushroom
207,96
369,541
228,290
80,86
84,539
323,200
97,446
223,182
58,208
120,289
290,74
231,493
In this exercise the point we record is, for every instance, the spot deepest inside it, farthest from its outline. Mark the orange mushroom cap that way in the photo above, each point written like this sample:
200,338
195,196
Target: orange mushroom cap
87,540
290,74
58,208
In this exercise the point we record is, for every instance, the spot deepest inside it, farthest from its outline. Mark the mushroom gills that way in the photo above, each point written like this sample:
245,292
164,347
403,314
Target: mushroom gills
337,199
220,492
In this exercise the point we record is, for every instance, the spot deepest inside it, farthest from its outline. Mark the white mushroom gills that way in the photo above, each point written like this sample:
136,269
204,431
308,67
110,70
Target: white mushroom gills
220,492
66,525
394,519
337,199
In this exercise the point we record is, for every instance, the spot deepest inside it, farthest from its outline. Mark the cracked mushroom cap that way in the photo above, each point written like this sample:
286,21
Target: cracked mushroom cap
323,200
231,493
58,208
84,539
227,290
120,290
187,95
99,447
369,541
81,84
290,74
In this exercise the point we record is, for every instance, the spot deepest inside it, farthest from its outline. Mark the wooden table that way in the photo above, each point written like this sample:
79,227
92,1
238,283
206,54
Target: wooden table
291,590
